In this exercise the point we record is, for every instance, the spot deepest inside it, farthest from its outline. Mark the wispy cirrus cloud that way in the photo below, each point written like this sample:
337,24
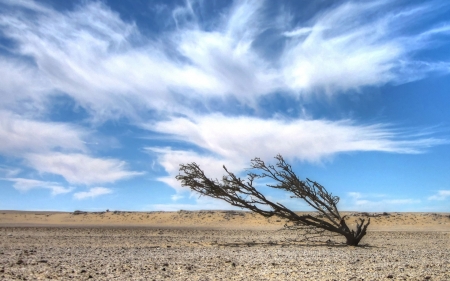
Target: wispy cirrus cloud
334,51
440,195
92,193
378,202
204,63
57,148
201,203
307,140
235,140
24,88
8,172
24,185
170,160
81,169
21,135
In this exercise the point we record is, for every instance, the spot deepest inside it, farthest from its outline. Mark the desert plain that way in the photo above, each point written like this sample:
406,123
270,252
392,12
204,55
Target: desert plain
216,245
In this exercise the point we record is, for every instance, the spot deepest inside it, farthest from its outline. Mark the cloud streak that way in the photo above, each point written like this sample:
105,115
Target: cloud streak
233,141
80,168
57,148
336,50
440,196
25,185
203,81
378,202
171,159
306,140
201,203
92,193
21,135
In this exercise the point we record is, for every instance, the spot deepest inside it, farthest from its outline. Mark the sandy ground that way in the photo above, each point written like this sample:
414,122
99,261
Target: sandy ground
213,219
217,245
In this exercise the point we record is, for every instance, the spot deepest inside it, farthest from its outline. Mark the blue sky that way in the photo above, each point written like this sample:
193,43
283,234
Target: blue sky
102,100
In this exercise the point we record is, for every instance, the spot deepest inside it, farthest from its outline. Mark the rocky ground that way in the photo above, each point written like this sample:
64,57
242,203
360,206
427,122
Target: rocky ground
145,253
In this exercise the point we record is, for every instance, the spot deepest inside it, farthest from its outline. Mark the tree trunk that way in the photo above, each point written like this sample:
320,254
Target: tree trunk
351,240
244,194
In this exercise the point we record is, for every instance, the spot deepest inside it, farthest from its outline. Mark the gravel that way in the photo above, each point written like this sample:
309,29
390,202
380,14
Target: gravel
40,253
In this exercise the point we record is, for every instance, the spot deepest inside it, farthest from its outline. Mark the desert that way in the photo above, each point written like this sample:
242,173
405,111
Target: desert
215,245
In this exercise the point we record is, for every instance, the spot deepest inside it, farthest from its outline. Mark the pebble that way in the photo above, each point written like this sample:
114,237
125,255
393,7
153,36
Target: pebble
142,254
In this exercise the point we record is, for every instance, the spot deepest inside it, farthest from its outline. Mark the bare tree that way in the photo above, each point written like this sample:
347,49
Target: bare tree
242,193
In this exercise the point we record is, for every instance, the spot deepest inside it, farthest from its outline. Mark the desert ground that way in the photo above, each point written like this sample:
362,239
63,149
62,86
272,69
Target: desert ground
216,245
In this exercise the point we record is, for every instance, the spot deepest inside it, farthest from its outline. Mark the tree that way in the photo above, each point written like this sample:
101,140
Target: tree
242,193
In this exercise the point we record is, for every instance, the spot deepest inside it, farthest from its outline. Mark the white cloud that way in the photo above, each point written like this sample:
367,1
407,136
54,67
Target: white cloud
343,48
108,67
37,142
302,31
27,4
23,88
25,185
212,165
176,197
357,201
239,138
92,193
350,46
440,196
81,169
233,141
201,203
8,171
20,135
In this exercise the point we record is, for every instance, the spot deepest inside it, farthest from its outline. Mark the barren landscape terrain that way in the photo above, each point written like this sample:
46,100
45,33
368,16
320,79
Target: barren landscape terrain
215,245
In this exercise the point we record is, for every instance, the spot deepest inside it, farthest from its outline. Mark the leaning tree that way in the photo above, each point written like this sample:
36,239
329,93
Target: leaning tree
243,193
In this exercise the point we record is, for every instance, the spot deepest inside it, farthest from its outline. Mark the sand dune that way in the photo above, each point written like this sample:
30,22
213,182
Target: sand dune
213,219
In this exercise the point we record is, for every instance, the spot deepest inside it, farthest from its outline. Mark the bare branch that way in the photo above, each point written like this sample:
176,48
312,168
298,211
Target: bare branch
242,193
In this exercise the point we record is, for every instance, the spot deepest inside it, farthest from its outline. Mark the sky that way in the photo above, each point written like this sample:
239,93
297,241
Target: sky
100,101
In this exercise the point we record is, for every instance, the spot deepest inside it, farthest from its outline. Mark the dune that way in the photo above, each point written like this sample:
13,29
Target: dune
213,219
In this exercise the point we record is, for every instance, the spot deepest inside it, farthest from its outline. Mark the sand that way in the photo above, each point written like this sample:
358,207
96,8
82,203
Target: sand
216,245
212,220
